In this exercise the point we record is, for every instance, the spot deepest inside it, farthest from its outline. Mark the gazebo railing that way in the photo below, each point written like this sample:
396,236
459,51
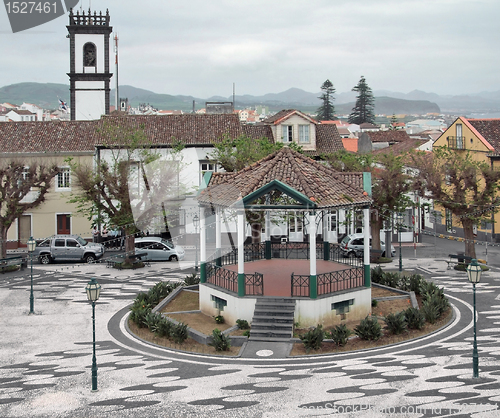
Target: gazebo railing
222,277
336,281
337,255
228,279
254,284
300,285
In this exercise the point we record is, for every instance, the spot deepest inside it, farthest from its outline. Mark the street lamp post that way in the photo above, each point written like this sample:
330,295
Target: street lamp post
31,248
196,223
400,221
474,274
93,290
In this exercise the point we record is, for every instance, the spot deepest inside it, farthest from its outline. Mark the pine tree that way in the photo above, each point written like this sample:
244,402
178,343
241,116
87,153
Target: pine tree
363,110
326,110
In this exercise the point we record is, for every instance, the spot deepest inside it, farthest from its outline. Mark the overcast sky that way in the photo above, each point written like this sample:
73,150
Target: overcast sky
200,48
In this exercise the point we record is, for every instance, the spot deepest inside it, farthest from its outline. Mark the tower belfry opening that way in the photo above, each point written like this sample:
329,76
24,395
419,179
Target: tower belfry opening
89,35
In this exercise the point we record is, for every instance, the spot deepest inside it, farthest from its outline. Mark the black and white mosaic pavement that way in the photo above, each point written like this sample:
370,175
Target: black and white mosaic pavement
46,358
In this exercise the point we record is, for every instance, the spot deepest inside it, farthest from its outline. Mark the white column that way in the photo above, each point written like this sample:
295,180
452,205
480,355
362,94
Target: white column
218,235
203,236
241,242
312,244
366,235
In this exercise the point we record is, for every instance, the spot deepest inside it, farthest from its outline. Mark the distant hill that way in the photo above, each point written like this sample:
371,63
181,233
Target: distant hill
47,95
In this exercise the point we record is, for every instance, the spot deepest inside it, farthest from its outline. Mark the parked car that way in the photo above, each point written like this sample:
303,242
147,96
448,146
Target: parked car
159,249
353,246
67,248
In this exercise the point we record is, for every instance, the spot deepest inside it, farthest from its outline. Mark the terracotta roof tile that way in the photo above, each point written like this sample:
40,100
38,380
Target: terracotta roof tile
489,129
388,136
325,186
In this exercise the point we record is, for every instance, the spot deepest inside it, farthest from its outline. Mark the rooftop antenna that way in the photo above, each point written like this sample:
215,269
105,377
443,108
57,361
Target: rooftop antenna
117,97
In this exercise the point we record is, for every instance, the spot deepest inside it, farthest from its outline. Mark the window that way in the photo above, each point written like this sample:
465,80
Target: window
59,243
63,178
71,243
295,223
341,308
287,133
89,55
219,303
304,134
206,166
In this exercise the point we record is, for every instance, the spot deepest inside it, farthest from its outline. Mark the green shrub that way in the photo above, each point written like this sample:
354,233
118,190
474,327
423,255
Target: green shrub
138,315
151,319
191,279
391,279
368,329
246,333
415,283
163,328
340,334
242,324
377,274
396,323
220,341
219,319
414,318
374,303
179,333
313,338
430,311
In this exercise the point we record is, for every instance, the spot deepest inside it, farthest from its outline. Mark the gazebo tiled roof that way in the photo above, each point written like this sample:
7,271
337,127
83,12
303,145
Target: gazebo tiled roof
317,184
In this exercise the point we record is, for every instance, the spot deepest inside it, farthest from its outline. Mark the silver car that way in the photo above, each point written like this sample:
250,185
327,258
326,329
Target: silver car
354,244
67,248
158,249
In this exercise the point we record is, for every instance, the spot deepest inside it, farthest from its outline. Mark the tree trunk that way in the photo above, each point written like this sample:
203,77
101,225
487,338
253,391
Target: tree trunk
3,241
376,226
470,248
256,232
129,247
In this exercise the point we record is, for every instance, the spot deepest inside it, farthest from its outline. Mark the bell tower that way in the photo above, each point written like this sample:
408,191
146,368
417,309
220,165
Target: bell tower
89,74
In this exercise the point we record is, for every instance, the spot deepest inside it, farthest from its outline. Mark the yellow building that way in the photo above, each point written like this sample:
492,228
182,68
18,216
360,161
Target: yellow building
481,138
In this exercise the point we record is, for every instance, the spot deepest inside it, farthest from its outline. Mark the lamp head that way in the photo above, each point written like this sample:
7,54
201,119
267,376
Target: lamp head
474,271
31,245
93,290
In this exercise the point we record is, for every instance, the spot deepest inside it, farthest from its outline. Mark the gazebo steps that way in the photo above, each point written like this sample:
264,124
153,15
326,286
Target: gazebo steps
273,318
271,339
276,319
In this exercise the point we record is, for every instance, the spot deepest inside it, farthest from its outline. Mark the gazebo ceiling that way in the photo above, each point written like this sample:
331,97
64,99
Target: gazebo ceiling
307,184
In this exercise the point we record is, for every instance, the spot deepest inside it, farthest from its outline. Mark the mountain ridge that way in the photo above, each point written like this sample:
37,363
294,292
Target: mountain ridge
47,95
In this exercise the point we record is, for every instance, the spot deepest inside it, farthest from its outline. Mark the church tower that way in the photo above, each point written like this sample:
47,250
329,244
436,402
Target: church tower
89,74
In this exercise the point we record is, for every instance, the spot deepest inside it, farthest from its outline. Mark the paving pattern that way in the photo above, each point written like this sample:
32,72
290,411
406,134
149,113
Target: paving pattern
46,358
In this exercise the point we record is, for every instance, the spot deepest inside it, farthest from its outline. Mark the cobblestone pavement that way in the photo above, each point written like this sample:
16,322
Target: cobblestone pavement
45,359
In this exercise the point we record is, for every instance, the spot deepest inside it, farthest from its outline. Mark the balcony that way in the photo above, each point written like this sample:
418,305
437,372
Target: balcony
456,142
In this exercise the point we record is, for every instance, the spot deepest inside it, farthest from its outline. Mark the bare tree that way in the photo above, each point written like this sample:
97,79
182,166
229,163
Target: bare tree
22,188
465,187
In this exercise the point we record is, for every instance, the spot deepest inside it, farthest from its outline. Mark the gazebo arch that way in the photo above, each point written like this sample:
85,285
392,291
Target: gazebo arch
283,181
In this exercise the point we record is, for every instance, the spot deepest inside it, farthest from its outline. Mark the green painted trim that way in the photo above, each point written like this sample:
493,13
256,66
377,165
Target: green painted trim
326,250
283,188
313,286
367,275
268,250
241,284
203,273
218,259
367,183
205,181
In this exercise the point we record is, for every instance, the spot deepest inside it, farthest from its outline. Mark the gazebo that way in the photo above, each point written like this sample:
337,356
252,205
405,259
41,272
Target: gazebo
323,284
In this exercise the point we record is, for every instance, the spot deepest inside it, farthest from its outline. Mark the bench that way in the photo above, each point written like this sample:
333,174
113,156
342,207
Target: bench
456,259
5,263
117,260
